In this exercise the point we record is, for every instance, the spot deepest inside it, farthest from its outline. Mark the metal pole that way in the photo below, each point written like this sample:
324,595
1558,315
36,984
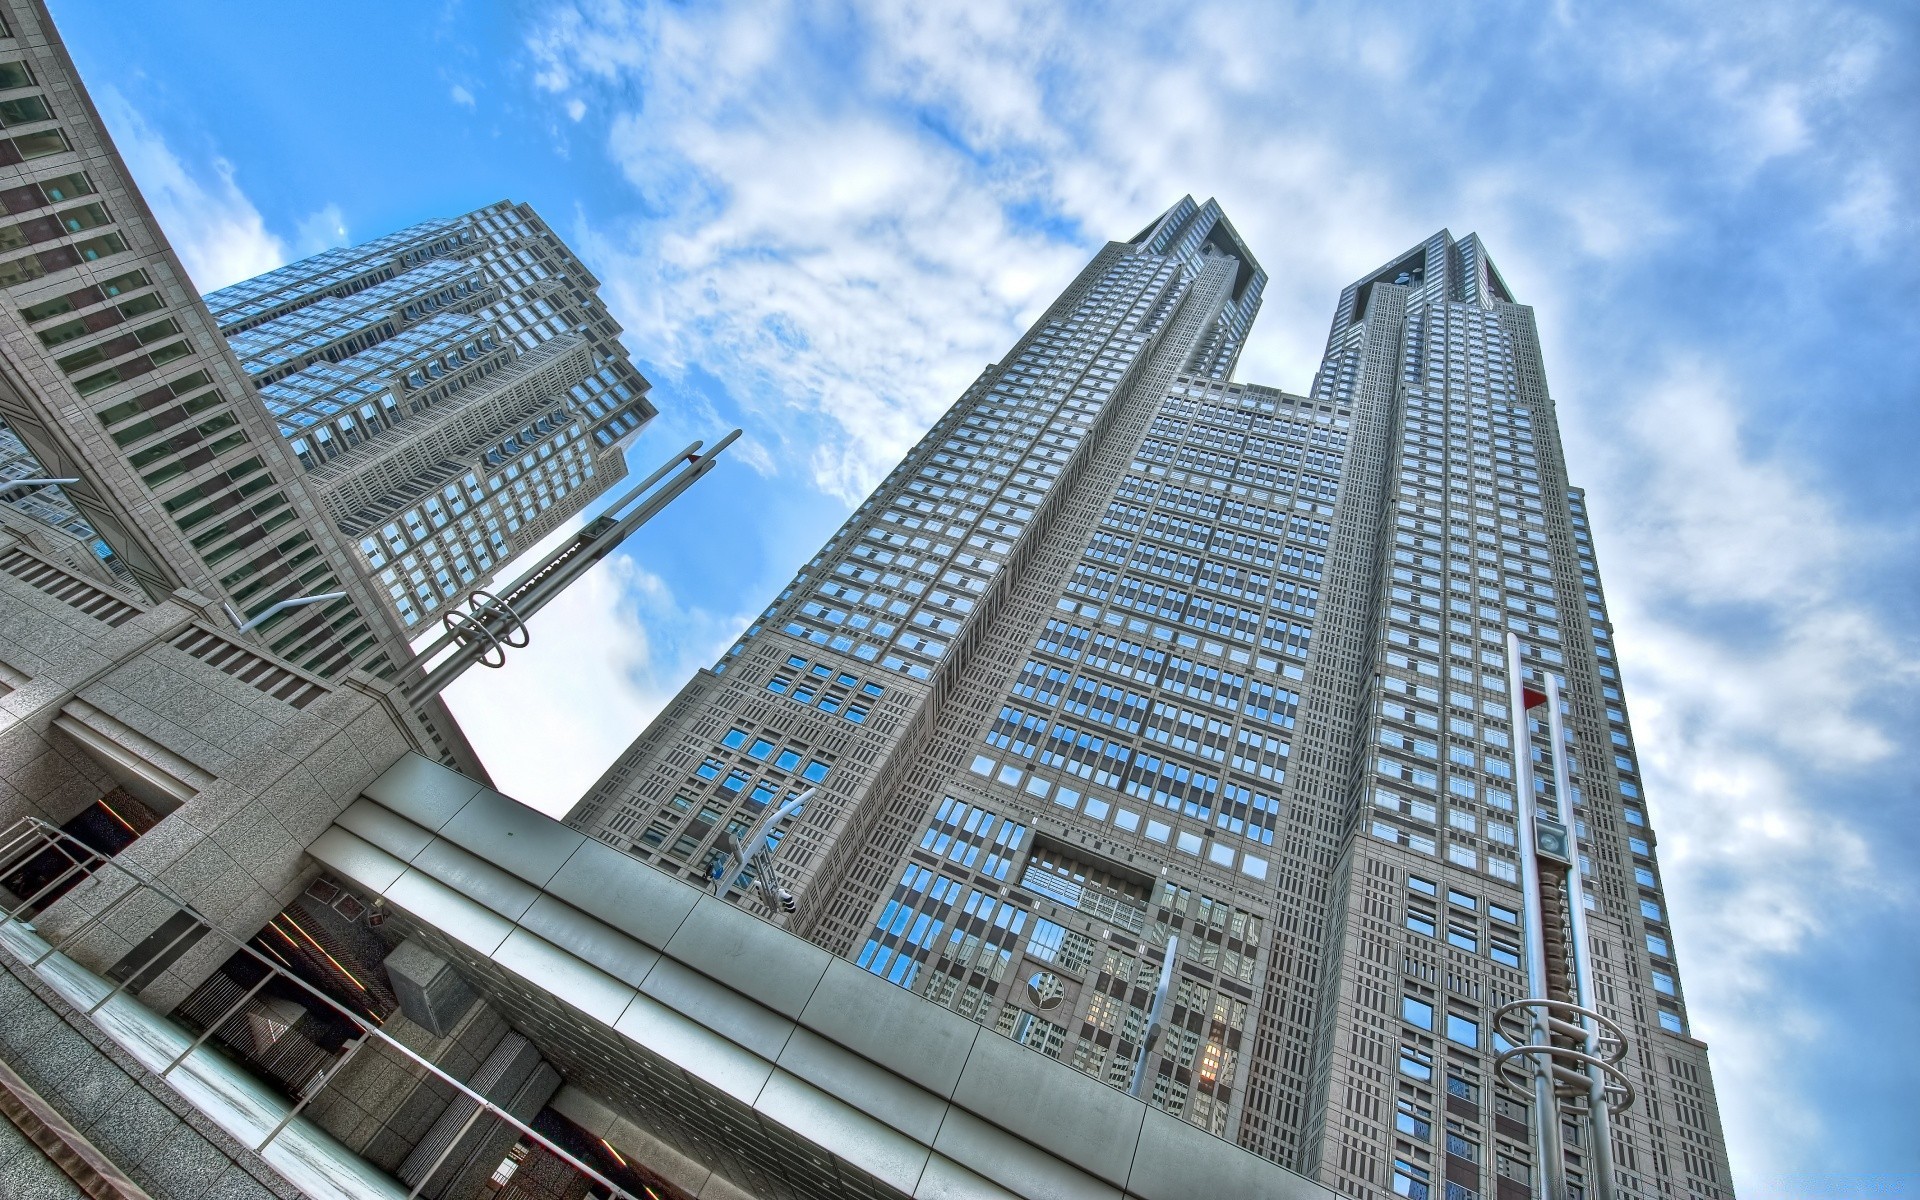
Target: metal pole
1546,1111
531,592
224,1018
440,643
325,1078
1597,1115
1153,1013
233,614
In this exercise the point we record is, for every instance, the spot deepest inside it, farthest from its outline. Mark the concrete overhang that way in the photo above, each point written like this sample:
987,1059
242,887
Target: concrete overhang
775,1065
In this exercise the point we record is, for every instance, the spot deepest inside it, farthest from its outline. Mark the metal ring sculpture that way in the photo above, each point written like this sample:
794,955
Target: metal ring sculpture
1569,1082
467,627
514,623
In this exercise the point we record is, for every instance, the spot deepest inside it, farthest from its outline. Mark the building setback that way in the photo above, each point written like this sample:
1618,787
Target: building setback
1124,655
456,391
393,421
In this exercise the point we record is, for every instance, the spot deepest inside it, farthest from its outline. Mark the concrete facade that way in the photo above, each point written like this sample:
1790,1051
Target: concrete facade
1126,655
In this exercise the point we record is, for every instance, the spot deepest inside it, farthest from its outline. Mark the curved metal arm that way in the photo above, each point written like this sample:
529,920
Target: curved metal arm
233,614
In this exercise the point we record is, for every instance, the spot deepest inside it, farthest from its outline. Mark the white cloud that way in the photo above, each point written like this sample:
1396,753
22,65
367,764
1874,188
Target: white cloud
1757,683
321,230
601,661
215,229
461,96
830,233
1868,212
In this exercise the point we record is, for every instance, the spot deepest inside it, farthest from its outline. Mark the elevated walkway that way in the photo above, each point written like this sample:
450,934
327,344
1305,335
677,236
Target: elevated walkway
783,1070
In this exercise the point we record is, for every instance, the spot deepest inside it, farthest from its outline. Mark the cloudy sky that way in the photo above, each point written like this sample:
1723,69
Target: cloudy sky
819,222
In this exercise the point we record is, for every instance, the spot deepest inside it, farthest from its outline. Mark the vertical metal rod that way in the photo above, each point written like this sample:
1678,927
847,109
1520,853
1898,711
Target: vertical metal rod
140,970
224,1018
339,1065
1598,1117
1546,1111
57,881
437,1163
1167,967
73,935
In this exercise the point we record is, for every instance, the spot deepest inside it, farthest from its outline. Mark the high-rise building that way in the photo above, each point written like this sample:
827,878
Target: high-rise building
456,391
40,514
385,426
112,372
1161,723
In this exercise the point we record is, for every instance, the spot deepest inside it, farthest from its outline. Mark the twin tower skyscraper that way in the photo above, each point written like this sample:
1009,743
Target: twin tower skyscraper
1161,723
1156,721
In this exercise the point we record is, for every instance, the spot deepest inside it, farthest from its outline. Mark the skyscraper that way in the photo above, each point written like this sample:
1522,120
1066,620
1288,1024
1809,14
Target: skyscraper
384,425
455,391
112,372
1161,723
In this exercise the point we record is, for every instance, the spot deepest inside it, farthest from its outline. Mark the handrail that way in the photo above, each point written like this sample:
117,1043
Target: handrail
39,836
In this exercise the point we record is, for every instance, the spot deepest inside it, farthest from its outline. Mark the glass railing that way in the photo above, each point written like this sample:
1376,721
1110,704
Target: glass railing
254,1111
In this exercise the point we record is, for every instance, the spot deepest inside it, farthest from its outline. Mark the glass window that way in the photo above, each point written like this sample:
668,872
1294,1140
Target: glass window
1414,1120
788,760
735,738
1421,885
760,749
1466,937
1416,1012
1410,1181
816,771
1463,1031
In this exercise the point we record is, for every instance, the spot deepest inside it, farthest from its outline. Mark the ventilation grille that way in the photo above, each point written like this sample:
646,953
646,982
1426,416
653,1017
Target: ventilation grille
55,582
249,668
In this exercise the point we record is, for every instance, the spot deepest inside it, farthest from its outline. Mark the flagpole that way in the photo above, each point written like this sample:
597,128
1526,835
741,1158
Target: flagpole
1546,1110
1597,1113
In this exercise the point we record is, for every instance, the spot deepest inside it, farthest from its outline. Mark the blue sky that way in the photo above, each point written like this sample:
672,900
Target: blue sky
820,221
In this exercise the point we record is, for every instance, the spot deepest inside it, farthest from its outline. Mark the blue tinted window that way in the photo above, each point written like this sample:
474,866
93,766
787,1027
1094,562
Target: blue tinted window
1416,1012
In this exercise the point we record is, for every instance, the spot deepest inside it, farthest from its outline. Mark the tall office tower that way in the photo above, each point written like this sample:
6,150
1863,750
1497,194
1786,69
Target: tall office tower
112,371
447,394
455,390
1124,657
